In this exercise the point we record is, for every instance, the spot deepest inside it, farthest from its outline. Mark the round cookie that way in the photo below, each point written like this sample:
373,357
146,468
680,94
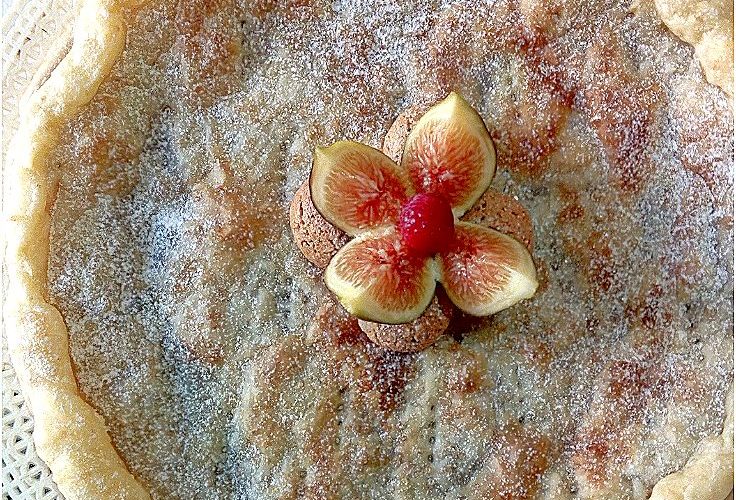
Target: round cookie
504,214
414,336
317,239
393,142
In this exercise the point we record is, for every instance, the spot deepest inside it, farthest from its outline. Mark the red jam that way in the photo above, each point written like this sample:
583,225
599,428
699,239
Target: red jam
426,224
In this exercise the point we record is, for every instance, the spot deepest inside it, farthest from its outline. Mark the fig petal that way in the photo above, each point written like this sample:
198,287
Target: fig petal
356,187
377,279
451,154
486,271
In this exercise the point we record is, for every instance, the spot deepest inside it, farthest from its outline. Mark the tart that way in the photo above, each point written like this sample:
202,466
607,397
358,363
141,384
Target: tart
174,342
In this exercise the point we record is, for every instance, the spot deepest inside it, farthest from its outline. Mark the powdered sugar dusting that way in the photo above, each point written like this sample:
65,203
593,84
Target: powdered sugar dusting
189,306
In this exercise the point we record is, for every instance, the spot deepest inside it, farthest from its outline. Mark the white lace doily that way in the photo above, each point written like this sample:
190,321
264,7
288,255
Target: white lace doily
29,28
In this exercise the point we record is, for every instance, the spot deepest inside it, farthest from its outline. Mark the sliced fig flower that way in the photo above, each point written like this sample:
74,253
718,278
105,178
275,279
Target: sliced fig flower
450,153
486,271
356,187
377,279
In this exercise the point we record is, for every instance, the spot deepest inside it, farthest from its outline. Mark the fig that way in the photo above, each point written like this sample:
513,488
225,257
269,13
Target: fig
486,271
404,220
356,187
377,278
451,154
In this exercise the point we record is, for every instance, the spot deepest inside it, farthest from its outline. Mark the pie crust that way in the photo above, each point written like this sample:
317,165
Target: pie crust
70,435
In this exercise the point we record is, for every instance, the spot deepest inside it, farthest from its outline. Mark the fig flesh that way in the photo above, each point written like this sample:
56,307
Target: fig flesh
377,278
486,271
450,153
356,187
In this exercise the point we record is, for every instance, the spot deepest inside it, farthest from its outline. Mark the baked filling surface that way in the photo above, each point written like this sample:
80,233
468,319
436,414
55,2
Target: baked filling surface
210,346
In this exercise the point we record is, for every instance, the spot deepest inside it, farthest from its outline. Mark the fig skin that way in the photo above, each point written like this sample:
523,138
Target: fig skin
317,239
416,335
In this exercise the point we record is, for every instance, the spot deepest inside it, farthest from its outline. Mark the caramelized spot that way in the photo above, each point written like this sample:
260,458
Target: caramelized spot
519,458
537,351
704,131
570,212
649,310
620,106
543,275
52,196
541,16
211,58
289,10
603,442
239,224
261,8
592,324
447,47
223,226
626,381
110,152
467,377
355,77
686,385
601,268
378,376
197,315
237,220
524,144
200,335
527,133
594,453
388,373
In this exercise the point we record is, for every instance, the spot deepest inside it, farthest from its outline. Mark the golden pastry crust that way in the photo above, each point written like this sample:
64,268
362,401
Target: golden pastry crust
320,408
69,434
708,473
707,25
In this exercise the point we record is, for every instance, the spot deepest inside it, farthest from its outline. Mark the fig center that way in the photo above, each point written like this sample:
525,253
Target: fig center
426,224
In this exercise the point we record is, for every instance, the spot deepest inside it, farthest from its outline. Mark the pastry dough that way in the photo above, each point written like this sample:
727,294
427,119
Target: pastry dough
69,435
707,25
